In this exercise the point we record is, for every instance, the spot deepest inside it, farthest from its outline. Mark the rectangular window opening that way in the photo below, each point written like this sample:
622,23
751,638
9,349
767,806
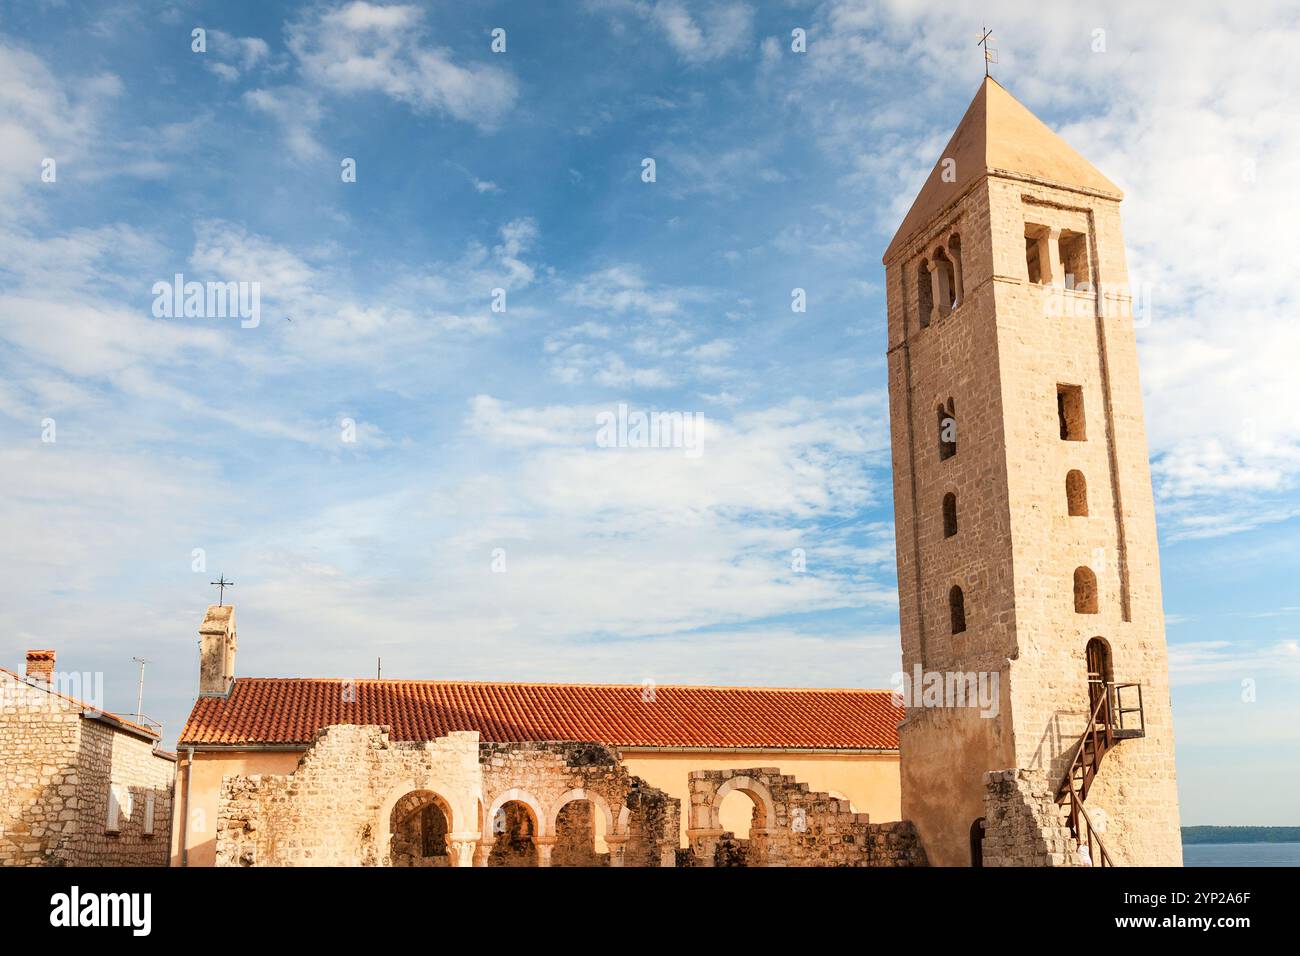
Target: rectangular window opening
1069,412
1074,259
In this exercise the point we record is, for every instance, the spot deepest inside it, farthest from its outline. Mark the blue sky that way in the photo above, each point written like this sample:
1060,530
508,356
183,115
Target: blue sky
475,429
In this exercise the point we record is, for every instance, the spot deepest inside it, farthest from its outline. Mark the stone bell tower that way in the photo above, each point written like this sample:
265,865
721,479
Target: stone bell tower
1023,509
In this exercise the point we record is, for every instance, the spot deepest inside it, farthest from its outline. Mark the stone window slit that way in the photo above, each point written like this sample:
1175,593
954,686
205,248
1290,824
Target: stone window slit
949,514
957,609
1076,494
947,417
1085,591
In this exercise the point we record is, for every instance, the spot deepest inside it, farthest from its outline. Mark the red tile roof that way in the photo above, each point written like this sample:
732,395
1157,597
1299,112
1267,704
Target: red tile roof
290,711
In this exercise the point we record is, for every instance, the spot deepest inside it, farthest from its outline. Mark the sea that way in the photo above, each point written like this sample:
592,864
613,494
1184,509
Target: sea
1241,854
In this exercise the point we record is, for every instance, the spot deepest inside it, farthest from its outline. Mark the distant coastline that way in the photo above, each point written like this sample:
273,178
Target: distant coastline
1196,835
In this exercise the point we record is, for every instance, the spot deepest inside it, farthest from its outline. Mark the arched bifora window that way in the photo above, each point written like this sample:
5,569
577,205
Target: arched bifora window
944,289
1085,591
1076,494
949,515
947,430
957,609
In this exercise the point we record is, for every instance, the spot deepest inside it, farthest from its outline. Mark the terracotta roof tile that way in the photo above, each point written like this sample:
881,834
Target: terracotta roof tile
290,711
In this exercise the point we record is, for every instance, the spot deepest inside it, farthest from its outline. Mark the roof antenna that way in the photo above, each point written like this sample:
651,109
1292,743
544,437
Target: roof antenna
139,688
990,56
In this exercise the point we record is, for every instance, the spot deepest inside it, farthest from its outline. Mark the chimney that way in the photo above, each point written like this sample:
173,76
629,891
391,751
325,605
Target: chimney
217,651
40,666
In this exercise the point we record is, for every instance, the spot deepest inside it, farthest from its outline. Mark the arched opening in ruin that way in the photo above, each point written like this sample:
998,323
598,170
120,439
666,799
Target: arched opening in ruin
1085,591
580,829
1076,494
514,829
419,824
949,515
743,810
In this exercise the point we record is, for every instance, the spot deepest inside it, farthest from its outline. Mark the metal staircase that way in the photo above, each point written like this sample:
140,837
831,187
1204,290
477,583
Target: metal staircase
1110,723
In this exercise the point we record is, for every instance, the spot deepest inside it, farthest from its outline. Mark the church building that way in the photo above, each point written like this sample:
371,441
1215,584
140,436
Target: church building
503,773
1027,564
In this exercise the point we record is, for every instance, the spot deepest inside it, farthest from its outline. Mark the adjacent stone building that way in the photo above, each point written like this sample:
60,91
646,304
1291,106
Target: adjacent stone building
1025,524
79,786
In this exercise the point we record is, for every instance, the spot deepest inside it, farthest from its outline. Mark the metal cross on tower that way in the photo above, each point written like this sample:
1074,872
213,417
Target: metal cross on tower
221,584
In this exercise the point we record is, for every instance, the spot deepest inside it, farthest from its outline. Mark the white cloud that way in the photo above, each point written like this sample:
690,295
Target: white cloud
698,33
297,111
229,57
1200,155
360,47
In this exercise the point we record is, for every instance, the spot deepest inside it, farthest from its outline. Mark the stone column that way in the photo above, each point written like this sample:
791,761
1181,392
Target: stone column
544,844
704,843
760,847
462,847
617,848
956,278
1053,240
941,276
483,850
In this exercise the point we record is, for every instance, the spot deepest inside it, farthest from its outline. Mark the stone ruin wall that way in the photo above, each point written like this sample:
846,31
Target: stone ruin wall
640,822
1023,824
334,809
792,826
337,808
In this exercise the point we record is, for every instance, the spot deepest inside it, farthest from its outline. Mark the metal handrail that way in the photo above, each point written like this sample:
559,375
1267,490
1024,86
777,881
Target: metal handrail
1103,738
1102,857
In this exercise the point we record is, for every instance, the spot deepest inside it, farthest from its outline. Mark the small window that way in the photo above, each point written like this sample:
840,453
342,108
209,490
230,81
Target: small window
1073,247
1076,494
1069,412
149,799
114,822
947,431
977,843
1085,591
949,515
957,609
924,298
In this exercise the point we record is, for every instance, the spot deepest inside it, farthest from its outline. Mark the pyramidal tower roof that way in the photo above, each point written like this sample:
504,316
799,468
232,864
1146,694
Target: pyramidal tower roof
999,135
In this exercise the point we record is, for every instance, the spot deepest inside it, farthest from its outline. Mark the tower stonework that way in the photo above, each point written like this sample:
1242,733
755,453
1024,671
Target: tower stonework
1023,508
